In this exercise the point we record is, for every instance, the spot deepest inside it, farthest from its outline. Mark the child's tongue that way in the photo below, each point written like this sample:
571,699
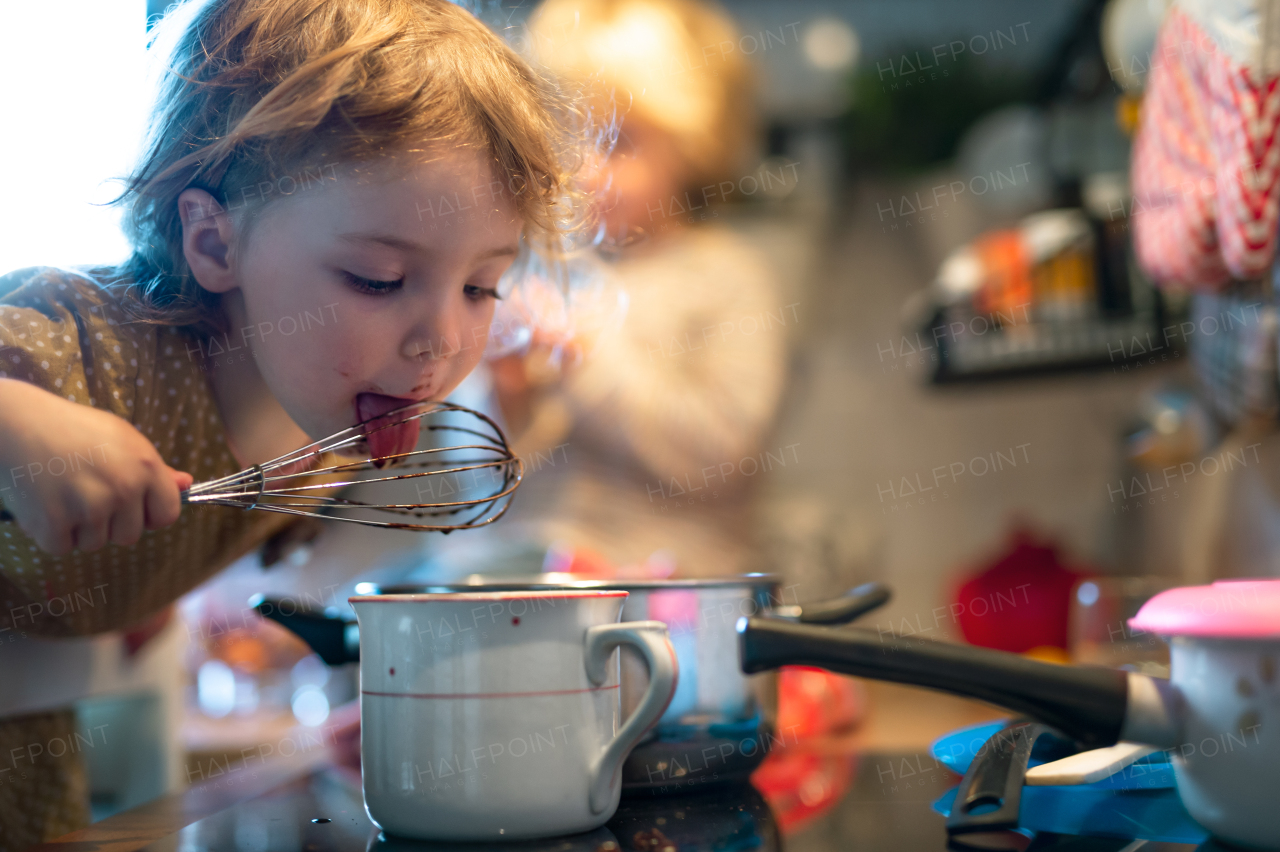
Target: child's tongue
384,438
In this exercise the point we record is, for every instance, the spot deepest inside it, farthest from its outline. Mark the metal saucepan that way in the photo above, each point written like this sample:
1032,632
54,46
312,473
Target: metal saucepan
1218,714
719,724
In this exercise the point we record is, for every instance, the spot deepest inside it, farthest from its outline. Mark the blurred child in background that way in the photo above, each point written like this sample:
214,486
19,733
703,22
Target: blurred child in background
641,445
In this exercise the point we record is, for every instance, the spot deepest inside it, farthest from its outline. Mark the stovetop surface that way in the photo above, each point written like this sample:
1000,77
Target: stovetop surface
833,803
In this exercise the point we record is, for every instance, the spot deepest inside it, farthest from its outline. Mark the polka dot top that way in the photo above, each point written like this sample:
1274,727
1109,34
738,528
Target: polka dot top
63,332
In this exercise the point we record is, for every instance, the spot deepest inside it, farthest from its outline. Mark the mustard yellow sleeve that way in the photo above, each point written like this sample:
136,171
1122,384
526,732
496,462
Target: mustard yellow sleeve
60,331
42,332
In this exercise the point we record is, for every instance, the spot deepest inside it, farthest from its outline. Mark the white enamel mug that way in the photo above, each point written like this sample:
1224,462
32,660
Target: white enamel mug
497,715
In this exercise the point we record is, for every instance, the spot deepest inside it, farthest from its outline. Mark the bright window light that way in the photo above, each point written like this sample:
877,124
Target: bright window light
216,688
310,706
831,44
72,107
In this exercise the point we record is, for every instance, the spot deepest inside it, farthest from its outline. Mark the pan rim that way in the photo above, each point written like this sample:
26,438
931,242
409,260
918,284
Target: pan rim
497,584
532,594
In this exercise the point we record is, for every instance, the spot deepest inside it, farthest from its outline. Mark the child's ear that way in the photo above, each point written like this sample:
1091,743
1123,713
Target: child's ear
206,237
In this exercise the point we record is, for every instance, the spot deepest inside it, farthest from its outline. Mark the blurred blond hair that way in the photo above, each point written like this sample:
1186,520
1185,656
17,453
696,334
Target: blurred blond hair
677,64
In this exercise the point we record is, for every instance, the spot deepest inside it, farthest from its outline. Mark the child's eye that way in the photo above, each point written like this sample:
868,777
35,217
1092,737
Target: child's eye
375,288
476,293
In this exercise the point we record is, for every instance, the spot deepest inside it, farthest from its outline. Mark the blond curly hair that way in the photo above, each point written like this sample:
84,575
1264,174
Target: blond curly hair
254,93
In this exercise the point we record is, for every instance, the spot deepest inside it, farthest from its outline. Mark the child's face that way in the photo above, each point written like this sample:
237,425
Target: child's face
338,322
643,176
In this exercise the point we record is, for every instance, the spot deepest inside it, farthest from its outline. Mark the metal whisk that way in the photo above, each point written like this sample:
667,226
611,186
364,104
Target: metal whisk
285,484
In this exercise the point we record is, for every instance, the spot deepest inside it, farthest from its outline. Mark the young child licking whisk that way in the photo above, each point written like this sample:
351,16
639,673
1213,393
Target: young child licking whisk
373,166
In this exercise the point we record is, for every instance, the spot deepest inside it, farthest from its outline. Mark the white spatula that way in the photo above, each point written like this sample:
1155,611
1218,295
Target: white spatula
1087,766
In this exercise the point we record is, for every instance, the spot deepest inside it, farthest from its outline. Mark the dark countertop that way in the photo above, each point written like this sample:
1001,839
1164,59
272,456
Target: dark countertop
823,801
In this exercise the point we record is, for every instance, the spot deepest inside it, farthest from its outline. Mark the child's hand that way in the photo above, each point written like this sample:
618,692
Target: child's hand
75,477
519,381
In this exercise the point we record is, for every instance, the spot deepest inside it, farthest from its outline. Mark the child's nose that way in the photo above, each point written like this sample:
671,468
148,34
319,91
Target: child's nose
443,335
425,346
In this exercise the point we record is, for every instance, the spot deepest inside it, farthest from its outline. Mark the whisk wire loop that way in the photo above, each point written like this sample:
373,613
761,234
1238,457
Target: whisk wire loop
290,483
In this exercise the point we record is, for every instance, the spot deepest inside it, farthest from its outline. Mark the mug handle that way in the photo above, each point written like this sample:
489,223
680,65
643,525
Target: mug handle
654,643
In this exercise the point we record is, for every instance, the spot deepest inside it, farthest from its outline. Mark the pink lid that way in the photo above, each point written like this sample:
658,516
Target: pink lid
1233,609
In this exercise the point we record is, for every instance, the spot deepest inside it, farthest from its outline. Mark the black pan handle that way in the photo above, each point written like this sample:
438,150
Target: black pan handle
989,797
1085,703
335,640
856,602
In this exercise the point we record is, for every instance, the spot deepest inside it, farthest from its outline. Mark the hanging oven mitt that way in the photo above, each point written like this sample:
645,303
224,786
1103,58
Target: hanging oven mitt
1206,172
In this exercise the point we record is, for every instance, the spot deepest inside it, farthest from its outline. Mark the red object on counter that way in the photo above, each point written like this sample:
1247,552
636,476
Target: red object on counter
801,779
801,784
580,561
1021,601
813,702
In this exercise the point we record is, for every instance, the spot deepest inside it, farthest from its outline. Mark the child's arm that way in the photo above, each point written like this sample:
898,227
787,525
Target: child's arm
98,412
127,489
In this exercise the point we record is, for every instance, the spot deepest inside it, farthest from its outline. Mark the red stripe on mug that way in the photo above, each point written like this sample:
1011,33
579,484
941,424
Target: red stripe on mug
487,694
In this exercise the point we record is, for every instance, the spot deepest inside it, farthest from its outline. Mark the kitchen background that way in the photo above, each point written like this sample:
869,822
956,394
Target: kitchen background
950,405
